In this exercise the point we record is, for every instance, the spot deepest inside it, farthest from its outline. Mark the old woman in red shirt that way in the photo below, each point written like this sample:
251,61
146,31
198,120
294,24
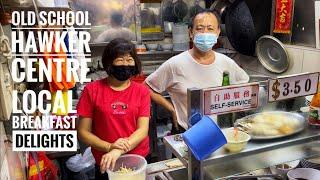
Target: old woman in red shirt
114,112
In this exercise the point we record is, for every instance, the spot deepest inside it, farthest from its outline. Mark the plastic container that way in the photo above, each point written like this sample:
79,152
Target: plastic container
180,33
204,138
237,144
132,161
304,173
180,37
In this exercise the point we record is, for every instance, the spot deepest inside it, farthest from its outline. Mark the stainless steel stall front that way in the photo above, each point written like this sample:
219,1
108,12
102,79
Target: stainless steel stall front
256,155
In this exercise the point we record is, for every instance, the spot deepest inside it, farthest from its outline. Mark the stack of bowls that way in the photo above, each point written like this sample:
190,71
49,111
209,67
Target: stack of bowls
304,173
152,47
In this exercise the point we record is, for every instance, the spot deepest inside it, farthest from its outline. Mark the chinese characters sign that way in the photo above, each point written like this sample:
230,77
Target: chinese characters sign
282,23
230,99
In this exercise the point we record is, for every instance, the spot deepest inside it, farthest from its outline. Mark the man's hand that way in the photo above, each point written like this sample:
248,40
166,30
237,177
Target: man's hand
109,159
175,120
122,144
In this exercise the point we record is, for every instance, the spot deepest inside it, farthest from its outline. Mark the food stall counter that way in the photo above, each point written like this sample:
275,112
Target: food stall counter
256,155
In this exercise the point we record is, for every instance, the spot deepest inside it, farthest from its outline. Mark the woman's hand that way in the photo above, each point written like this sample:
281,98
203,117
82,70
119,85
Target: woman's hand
109,159
122,144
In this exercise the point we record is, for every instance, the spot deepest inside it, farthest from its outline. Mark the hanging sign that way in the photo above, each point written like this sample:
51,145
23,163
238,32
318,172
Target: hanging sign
283,16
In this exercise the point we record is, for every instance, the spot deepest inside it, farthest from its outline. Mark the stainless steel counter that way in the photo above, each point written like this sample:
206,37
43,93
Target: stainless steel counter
157,169
257,154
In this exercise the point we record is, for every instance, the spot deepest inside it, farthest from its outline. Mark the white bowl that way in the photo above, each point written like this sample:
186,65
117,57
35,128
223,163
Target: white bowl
152,47
304,173
283,171
235,145
166,47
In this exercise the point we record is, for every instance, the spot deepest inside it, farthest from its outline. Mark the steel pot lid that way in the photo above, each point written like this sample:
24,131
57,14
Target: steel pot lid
272,54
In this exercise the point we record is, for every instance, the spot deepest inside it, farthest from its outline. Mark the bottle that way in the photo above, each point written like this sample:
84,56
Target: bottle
225,79
314,113
225,120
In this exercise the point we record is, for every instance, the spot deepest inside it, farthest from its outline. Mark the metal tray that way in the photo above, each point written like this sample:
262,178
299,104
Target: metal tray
300,127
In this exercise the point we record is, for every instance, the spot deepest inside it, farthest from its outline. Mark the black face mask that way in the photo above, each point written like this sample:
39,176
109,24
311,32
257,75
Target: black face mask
122,73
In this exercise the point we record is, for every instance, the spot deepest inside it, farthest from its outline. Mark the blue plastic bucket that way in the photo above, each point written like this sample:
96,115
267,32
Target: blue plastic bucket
204,138
195,118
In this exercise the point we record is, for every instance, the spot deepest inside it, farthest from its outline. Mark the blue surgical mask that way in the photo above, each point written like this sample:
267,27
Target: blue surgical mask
205,41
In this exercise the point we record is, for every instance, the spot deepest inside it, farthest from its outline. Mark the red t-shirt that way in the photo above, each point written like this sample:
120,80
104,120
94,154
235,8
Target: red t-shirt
115,114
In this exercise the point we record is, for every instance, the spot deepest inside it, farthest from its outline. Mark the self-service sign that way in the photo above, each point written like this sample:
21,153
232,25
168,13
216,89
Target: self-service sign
234,98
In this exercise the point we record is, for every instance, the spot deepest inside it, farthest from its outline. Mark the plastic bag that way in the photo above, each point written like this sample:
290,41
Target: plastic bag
79,162
41,167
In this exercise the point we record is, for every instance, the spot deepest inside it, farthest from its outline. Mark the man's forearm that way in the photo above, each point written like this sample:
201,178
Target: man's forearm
159,99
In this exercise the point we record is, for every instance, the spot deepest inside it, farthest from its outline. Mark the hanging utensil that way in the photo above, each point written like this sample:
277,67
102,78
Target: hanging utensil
195,9
149,18
180,10
167,12
221,6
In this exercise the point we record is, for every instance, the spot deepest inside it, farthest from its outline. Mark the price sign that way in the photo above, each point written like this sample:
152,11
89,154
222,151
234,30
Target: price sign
226,99
292,86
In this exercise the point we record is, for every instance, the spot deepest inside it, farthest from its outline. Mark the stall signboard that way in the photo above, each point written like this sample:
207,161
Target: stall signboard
283,16
292,86
233,98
